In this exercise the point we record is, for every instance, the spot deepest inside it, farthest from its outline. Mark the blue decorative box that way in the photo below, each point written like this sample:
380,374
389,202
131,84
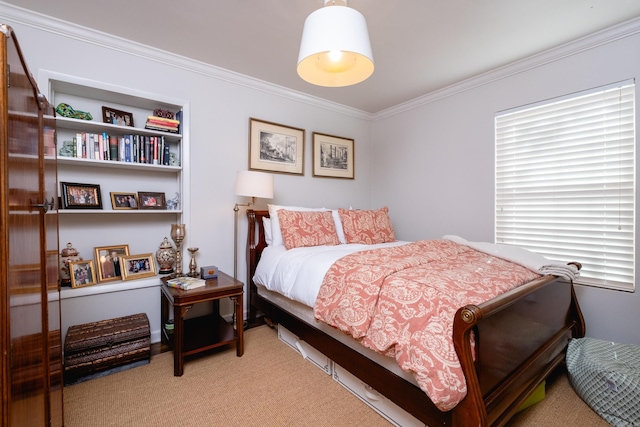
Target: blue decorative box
209,272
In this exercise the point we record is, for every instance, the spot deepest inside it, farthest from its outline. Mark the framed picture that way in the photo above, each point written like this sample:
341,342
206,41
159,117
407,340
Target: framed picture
137,266
333,156
275,148
82,273
124,200
108,260
148,200
80,196
116,117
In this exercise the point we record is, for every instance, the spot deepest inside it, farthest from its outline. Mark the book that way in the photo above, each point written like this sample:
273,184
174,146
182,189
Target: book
161,128
162,120
113,148
186,283
78,139
127,148
165,153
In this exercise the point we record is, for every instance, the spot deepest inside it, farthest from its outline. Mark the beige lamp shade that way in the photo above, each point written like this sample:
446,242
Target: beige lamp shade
254,184
335,50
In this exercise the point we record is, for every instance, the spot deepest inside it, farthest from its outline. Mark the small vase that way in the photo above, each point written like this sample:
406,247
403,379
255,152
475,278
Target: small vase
166,256
66,255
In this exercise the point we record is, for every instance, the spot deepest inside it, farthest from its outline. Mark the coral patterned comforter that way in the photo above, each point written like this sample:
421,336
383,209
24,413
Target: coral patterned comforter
401,301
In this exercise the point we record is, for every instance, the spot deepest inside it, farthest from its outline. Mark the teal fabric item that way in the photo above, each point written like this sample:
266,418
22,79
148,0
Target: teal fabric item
606,375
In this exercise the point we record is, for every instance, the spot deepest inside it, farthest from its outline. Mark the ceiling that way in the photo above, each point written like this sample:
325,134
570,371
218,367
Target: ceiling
419,46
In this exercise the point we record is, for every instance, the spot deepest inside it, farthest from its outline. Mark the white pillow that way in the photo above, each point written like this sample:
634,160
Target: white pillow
276,233
266,224
339,229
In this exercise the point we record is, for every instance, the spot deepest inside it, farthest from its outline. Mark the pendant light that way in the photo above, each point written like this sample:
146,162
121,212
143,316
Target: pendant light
335,49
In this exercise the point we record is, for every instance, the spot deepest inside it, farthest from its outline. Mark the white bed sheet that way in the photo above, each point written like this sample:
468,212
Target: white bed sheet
298,273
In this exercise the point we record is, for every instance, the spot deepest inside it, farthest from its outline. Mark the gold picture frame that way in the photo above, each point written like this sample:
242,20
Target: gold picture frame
333,156
122,201
137,266
108,261
276,148
83,273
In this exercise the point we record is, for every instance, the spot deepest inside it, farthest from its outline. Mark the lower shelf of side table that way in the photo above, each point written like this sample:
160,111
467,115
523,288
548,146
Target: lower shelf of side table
204,333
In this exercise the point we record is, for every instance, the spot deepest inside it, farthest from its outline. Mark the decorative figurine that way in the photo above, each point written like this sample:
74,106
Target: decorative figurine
66,255
166,256
172,204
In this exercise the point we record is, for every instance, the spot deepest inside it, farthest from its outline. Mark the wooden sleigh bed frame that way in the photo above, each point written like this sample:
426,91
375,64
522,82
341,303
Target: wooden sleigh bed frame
521,337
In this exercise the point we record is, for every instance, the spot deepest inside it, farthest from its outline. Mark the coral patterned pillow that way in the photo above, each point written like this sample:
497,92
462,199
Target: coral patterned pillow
367,227
300,229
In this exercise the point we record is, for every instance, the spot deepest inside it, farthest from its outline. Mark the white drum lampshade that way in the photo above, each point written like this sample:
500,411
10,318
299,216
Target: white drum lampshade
335,50
254,184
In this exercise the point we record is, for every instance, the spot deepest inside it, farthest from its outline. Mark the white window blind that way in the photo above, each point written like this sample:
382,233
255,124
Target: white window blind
565,182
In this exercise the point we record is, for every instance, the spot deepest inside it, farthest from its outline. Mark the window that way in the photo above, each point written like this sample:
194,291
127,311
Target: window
565,182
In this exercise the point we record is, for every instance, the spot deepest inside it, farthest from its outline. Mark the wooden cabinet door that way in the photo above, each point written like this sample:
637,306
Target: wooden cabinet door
26,383
52,265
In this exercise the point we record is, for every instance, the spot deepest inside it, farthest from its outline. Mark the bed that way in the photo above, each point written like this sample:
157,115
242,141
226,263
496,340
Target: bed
506,346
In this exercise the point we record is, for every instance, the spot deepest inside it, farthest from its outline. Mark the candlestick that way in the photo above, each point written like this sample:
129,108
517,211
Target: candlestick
177,234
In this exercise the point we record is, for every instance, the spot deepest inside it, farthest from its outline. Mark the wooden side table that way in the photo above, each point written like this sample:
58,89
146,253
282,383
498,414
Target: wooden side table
202,333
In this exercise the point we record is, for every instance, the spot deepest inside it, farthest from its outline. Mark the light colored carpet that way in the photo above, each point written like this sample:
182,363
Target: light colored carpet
271,385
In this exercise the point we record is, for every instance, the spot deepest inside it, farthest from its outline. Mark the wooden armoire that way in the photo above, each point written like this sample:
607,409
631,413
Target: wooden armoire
30,343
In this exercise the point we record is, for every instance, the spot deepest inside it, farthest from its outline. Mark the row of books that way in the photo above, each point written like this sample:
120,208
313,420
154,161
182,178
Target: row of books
128,148
163,124
186,282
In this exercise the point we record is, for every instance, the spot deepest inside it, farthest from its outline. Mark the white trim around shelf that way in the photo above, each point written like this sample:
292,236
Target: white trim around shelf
118,211
105,288
76,161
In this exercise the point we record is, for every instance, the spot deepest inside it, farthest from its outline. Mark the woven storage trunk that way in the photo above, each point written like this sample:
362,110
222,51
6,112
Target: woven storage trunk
103,347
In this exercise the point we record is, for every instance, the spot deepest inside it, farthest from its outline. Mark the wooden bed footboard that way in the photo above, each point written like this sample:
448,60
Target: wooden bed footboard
519,338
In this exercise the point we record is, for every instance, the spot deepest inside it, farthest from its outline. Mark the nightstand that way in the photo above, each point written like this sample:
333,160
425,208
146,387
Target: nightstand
195,335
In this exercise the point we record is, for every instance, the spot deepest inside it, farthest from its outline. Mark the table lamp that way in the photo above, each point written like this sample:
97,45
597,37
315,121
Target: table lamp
250,184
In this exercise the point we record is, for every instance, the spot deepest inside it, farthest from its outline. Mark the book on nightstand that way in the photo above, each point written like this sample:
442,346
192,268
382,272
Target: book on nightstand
186,283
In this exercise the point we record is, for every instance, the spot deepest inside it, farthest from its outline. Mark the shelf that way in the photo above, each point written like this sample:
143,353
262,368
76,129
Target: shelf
140,229
92,126
206,332
117,212
105,288
74,161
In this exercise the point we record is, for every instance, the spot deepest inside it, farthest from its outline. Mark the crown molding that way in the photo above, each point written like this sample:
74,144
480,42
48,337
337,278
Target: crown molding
38,21
592,41
73,31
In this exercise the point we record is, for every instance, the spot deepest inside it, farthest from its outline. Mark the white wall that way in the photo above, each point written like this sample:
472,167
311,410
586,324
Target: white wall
434,157
221,104
431,162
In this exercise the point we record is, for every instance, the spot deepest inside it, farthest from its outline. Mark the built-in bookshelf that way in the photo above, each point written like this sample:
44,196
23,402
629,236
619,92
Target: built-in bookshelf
154,163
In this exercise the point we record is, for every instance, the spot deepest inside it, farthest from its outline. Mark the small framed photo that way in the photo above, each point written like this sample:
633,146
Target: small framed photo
82,273
108,260
137,266
333,156
149,200
80,196
124,200
275,148
116,117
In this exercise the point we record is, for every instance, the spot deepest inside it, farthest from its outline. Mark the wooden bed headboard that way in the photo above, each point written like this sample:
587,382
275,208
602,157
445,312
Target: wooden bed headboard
256,242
